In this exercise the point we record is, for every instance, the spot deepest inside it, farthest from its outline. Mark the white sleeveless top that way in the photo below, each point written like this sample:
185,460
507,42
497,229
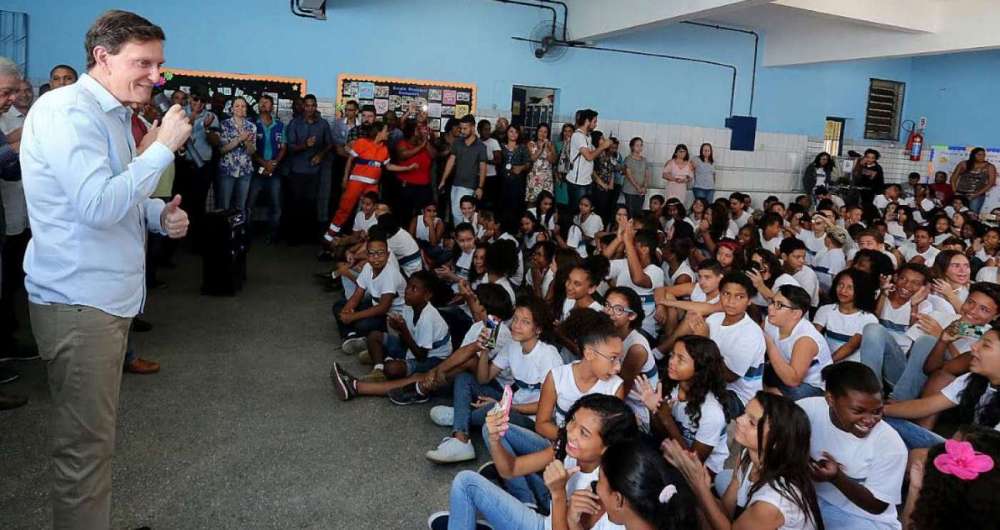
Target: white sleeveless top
423,232
567,392
682,269
648,369
804,328
577,481
795,518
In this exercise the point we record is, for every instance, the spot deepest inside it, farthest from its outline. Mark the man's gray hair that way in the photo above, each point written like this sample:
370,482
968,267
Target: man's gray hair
8,68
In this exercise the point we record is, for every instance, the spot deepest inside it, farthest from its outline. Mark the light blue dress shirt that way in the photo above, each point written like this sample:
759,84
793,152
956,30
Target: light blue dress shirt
88,200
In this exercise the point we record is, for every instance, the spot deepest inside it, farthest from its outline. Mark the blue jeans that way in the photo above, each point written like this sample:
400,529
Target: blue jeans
472,493
913,435
272,185
395,349
520,441
880,352
977,203
465,391
793,393
702,193
836,519
576,192
359,327
911,382
231,192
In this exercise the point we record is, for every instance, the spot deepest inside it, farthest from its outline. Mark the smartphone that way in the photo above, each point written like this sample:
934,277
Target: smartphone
503,406
493,323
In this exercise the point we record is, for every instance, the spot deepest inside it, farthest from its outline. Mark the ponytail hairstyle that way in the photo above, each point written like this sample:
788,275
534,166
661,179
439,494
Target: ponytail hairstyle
596,267
634,304
708,375
617,421
636,471
501,257
784,455
587,327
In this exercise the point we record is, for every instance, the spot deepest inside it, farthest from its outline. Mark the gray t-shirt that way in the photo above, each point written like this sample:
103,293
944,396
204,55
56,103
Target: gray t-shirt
704,175
638,170
467,160
297,132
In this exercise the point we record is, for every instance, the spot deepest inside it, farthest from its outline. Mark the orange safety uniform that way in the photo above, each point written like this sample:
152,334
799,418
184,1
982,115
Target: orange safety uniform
369,158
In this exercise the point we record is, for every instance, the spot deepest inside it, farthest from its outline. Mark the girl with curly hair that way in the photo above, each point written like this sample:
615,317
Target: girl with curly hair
771,487
685,406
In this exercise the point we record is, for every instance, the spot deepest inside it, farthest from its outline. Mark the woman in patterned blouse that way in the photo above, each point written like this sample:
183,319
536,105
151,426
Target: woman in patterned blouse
232,185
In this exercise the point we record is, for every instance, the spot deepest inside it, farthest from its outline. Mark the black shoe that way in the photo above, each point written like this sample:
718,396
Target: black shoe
8,401
140,326
8,374
489,472
27,353
325,256
325,275
439,521
333,286
407,395
344,383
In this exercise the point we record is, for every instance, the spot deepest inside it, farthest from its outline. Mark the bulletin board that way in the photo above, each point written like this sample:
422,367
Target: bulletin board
946,157
440,99
250,86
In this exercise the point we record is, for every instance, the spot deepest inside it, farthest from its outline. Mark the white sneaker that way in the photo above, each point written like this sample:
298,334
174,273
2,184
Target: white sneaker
443,416
354,346
452,450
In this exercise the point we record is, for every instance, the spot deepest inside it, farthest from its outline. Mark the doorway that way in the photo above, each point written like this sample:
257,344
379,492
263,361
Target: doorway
530,106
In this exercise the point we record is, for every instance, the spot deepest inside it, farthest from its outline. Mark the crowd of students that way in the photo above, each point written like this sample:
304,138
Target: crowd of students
714,365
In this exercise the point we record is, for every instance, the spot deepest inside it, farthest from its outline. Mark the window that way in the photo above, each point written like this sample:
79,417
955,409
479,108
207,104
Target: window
885,105
14,37
833,136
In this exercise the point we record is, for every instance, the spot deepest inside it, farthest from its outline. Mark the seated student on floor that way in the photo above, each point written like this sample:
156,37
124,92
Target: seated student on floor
974,394
593,424
859,460
843,321
771,488
363,220
768,276
582,283
420,342
501,262
529,357
921,250
702,298
639,270
470,215
379,289
540,274
402,245
488,301
898,307
740,341
458,268
829,262
770,232
624,307
685,406
793,260
941,350
677,268
595,373
428,230
493,233
796,352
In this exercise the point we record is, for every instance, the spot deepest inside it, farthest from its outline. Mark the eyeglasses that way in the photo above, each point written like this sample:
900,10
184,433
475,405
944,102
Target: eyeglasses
618,310
614,360
780,306
376,253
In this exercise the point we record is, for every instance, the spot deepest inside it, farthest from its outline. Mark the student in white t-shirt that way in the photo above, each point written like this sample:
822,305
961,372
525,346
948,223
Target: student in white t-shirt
539,276
767,275
380,288
419,342
638,270
625,309
703,299
796,352
588,221
793,257
827,263
365,218
859,460
770,232
461,267
595,423
814,239
492,148
687,410
401,245
637,489
771,486
843,321
950,287
921,247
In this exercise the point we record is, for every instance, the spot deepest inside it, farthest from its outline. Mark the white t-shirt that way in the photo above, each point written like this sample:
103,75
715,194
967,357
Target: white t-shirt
567,391
430,331
699,295
582,168
362,223
648,369
810,282
878,461
711,429
795,518
463,266
501,281
897,321
589,226
519,275
954,394
839,328
574,239
551,224
784,279
622,278
577,481
547,278
503,339
987,274
528,369
569,304
492,146
772,244
743,350
806,331
388,281
910,251
814,245
742,220
407,252
683,269
424,231
939,303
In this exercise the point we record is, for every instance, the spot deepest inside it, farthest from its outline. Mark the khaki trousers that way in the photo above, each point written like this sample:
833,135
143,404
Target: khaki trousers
83,349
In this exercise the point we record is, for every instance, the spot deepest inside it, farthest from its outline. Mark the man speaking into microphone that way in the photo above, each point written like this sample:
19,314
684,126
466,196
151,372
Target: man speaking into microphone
88,188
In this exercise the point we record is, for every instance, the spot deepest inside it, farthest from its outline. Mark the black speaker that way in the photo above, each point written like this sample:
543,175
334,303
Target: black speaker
744,132
224,259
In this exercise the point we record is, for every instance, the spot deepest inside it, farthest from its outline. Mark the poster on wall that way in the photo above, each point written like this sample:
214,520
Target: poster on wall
440,99
946,157
250,86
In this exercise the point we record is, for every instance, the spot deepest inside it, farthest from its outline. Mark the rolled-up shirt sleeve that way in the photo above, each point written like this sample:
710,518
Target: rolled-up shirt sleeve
79,154
153,208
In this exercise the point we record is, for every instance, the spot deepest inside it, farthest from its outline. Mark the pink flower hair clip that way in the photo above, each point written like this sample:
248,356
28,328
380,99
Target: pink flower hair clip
961,460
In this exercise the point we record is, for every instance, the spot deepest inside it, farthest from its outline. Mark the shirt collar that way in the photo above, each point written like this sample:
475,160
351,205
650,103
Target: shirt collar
104,98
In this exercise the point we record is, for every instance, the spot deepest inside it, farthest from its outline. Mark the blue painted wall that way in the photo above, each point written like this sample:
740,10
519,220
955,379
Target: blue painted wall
469,41
957,93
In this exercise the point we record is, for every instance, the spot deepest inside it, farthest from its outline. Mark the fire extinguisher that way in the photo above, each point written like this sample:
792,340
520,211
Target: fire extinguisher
915,142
